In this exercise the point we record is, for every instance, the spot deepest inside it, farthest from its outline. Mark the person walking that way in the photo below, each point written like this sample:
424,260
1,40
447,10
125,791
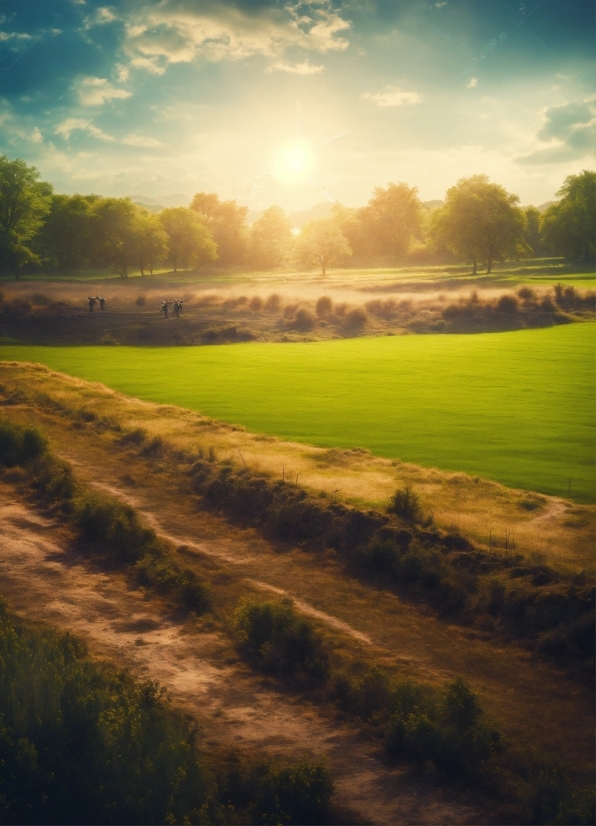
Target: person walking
92,301
102,303
164,308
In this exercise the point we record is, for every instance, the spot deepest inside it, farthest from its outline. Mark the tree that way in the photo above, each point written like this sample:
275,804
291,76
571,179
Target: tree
65,238
391,219
152,241
568,226
321,242
480,222
270,238
532,234
226,221
190,242
24,202
115,231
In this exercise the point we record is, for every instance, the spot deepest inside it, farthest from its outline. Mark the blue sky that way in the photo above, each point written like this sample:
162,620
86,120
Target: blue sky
175,96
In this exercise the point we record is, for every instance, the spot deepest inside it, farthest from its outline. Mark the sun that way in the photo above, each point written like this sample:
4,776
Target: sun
294,162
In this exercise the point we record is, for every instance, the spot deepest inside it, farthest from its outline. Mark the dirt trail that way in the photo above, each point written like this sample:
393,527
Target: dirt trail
43,580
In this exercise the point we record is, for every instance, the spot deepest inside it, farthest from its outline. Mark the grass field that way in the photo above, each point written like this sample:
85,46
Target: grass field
515,407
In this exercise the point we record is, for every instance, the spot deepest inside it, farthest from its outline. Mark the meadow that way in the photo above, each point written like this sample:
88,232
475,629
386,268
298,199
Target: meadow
514,407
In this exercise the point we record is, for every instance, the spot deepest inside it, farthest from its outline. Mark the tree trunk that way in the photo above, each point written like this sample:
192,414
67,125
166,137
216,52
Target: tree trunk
489,265
475,270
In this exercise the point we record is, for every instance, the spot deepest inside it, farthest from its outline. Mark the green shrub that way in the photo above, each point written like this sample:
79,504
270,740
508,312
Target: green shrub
20,445
406,503
324,306
279,641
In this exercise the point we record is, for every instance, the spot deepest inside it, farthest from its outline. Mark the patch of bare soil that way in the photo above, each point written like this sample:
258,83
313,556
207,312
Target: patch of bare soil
44,580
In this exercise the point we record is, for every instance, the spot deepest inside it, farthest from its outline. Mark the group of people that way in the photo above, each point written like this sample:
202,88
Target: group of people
177,307
93,299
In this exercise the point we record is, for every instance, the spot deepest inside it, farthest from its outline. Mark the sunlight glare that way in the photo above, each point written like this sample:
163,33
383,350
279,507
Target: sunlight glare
294,162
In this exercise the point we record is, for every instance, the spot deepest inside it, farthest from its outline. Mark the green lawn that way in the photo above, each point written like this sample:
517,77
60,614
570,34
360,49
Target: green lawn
517,407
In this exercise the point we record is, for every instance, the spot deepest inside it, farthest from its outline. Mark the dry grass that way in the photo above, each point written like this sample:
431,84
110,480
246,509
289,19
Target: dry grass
541,526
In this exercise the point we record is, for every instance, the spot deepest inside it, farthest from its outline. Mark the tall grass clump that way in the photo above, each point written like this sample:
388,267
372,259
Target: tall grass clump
20,445
406,503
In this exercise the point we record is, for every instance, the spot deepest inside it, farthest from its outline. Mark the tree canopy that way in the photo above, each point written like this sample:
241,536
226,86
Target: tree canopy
480,222
270,238
568,226
24,203
189,241
226,221
322,243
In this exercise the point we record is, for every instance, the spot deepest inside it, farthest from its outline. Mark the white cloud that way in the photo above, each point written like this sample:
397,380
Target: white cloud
95,91
100,17
36,136
68,126
473,83
181,31
123,72
305,68
140,140
568,132
392,96
148,63
4,36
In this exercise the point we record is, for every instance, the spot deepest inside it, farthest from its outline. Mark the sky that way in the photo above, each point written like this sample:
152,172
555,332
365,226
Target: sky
295,103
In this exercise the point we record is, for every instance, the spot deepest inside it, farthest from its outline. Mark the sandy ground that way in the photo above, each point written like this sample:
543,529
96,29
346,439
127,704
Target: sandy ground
44,580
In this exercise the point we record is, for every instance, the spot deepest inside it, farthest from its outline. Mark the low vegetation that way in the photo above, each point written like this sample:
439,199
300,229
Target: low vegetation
84,743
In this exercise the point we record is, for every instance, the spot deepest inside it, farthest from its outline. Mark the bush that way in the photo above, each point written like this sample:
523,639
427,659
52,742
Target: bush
526,294
141,301
256,304
273,303
20,445
507,304
324,306
280,641
406,503
356,318
304,320
289,311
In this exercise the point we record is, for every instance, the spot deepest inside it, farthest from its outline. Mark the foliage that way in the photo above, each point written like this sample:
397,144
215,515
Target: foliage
114,229
406,503
20,445
568,226
279,640
480,222
152,242
190,242
65,239
321,243
24,203
391,220
226,222
532,234
270,238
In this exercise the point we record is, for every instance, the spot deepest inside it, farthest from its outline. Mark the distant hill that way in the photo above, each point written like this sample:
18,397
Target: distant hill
432,204
157,204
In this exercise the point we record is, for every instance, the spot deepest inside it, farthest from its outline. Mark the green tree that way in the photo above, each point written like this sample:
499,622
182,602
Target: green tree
190,242
391,219
321,243
568,226
480,222
152,241
65,238
24,203
227,222
270,238
115,232
532,234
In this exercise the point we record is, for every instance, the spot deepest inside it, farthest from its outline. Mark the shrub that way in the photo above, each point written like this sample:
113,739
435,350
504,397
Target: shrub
526,294
20,445
256,304
406,503
304,320
356,318
289,311
141,301
280,641
273,303
547,305
324,306
507,304
115,525
297,794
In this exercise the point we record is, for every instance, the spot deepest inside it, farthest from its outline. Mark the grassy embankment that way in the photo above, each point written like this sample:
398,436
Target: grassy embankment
443,728
517,407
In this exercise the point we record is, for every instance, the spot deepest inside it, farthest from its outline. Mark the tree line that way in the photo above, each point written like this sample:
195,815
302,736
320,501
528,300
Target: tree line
479,222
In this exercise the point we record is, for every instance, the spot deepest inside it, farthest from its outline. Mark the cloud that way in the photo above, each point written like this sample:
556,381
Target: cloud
305,68
148,63
392,96
36,135
95,91
473,83
5,36
68,126
570,131
139,140
181,31
101,17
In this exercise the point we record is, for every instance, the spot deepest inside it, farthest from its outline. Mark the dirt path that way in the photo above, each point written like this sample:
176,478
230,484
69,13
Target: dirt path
43,580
